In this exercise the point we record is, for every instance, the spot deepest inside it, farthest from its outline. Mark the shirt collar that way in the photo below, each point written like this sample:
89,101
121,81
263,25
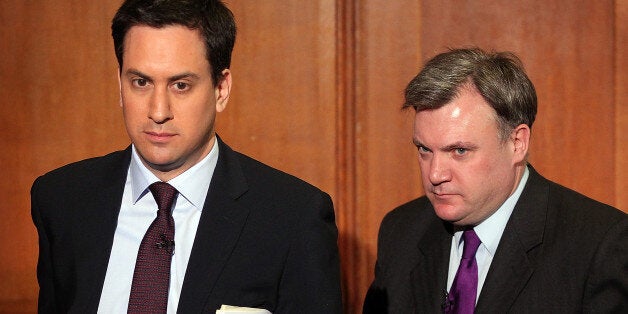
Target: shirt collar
491,229
191,184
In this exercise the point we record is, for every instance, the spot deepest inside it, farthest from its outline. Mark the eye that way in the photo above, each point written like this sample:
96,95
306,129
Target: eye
140,82
460,151
422,149
181,86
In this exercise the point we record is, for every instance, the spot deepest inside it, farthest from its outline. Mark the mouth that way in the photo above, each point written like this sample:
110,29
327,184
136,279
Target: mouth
442,195
159,137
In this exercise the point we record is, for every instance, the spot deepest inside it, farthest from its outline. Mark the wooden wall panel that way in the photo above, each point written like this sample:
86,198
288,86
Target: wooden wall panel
621,104
282,108
386,171
317,92
59,103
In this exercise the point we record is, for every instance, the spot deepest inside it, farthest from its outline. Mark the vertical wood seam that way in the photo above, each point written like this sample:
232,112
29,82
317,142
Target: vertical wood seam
346,148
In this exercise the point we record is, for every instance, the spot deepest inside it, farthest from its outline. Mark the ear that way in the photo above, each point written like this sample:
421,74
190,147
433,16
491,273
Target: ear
520,138
223,90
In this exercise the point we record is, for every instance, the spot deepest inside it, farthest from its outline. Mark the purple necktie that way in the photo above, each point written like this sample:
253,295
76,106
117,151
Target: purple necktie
151,278
464,288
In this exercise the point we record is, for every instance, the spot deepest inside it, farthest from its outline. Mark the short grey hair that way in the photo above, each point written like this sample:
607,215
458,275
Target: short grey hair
498,76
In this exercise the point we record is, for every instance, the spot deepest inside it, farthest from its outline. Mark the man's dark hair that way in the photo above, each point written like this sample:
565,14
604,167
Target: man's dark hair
499,77
212,18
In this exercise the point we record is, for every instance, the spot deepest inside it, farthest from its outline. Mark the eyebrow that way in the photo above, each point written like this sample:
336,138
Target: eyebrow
459,144
170,79
452,146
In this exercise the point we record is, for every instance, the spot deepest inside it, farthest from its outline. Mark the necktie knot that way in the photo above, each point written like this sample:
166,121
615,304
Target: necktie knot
164,195
471,244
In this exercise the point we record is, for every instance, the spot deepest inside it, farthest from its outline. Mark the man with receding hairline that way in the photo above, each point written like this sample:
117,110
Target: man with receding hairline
491,235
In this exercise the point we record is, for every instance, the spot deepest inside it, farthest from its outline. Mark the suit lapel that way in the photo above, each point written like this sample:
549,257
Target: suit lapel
94,224
429,277
220,225
513,264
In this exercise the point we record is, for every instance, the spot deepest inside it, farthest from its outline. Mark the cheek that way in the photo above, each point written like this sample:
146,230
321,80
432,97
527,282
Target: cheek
132,105
493,175
200,104
474,176
425,170
203,112
197,118
132,112
499,165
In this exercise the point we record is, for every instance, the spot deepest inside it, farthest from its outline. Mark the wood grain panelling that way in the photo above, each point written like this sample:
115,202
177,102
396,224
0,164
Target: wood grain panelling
621,105
346,199
387,53
283,103
59,104
318,87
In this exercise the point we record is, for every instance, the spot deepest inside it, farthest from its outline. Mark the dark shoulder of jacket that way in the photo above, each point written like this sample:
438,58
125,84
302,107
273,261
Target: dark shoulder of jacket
579,208
407,220
414,209
88,168
261,173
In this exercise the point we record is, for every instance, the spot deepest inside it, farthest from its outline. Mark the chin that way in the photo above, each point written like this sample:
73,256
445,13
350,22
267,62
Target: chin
450,213
161,162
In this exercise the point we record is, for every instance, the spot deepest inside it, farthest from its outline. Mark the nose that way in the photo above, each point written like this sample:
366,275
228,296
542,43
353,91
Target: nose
160,110
439,171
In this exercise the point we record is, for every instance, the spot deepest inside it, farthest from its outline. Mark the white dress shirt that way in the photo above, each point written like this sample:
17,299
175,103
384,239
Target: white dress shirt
137,212
490,232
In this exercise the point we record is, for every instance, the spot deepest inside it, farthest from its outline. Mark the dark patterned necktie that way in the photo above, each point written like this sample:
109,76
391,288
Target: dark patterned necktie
464,288
151,278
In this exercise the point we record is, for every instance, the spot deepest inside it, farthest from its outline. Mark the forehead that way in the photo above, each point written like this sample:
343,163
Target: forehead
467,118
169,44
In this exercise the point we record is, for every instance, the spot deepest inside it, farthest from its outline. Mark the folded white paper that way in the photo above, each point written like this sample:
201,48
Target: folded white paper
230,309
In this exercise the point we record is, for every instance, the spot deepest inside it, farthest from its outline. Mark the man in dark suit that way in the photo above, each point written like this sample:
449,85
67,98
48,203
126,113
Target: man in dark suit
491,235
243,234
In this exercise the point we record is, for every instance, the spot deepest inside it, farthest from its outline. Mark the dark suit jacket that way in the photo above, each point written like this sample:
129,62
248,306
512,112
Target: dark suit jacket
561,252
265,239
